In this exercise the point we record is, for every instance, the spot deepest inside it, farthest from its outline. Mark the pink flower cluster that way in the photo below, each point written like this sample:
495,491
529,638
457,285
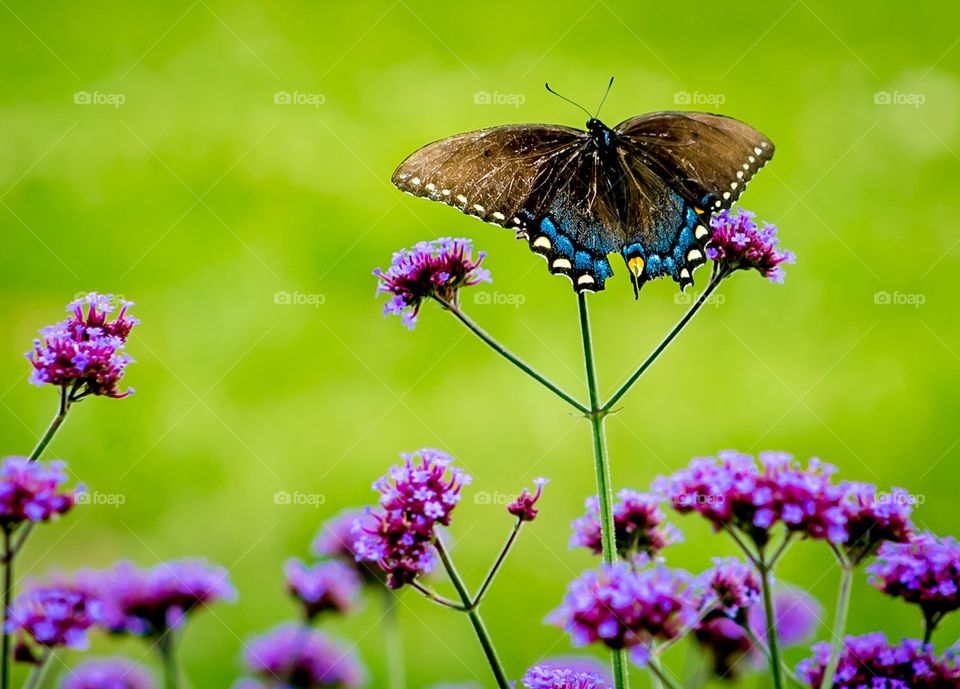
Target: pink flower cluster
924,571
873,518
732,586
524,507
33,491
331,585
50,617
737,243
638,524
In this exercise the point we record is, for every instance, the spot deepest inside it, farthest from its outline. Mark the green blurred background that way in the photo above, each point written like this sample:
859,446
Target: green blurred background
200,197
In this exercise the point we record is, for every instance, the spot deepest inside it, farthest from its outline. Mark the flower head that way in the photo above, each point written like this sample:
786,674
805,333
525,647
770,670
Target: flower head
797,614
733,491
108,673
736,243
873,519
86,351
524,507
330,585
438,268
924,571
625,608
415,497
336,539
638,523
557,676
870,662
732,586
50,616
148,602
295,656
33,491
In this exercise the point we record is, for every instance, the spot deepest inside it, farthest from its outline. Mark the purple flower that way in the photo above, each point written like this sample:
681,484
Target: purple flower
524,507
796,612
148,602
733,491
625,608
731,585
873,519
415,497
108,673
736,243
638,524
556,676
582,664
925,572
33,491
438,268
336,539
296,656
86,351
50,616
870,662
330,585
731,651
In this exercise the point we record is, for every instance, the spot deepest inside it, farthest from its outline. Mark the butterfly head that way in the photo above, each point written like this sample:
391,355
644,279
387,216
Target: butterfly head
600,132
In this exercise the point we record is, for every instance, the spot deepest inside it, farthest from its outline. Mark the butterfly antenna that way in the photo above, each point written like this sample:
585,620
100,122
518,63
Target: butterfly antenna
604,99
568,100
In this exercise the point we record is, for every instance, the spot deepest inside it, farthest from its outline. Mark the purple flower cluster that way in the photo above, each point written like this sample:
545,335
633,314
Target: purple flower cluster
51,616
148,602
924,571
870,662
415,497
32,491
638,524
86,351
873,519
736,243
626,608
336,539
108,673
732,586
524,507
438,268
295,656
733,491
556,676
325,586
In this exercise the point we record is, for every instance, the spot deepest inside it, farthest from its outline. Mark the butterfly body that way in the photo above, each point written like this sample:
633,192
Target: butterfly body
644,189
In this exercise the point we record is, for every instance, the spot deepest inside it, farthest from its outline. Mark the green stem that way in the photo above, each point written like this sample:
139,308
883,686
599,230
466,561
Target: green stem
36,676
54,425
496,565
165,645
660,676
7,600
773,640
396,671
839,625
602,467
759,643
715,280
510,356
437,598
474,614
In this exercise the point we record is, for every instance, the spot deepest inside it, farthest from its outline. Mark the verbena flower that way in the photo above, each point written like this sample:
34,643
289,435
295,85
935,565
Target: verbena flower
325,586
336,539
296,656
33,491
625,608
732,586
524,507
639,526
438,268
873,519
415,497
85,353
734,491
148,602
736,243
925,572
51,616
582,664
870,662
559,677
108,673
797,614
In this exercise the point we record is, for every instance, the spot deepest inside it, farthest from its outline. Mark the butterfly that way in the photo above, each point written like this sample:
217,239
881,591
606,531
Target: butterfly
644,189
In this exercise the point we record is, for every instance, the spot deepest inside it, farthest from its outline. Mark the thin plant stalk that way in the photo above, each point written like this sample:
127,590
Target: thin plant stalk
7,601
474,614
396,670
166,647
660,676
602,467
510,356
773,640
511,539
839,624
62,411
36,675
